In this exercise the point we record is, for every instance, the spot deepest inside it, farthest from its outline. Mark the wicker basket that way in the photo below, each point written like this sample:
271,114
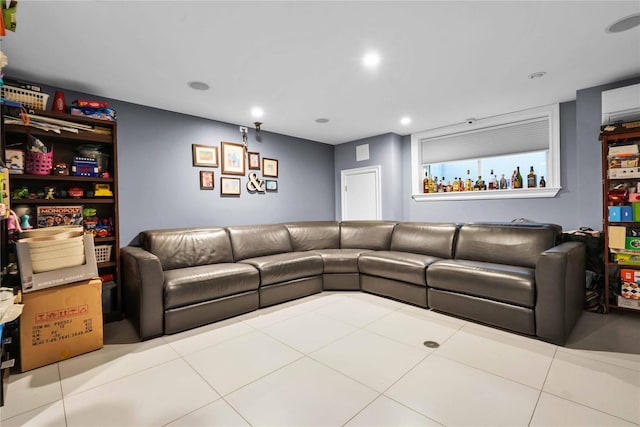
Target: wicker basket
103,253
39,163
28,98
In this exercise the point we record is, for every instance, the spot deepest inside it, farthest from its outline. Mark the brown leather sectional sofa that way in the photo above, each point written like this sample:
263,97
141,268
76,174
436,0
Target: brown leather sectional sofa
515,276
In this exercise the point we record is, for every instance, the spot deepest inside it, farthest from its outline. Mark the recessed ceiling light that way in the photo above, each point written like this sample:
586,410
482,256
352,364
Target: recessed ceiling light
322,120
537,75
405,120
198,85
257,112
371,60
624,24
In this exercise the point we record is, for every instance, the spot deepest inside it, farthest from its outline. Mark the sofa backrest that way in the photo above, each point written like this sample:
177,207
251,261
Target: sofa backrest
310,235
250,241
188,247
504,244
434,239
374,235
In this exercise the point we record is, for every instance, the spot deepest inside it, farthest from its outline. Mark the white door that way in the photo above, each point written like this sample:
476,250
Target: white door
360,190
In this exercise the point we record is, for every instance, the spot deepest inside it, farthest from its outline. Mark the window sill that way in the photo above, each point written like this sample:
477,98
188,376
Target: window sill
524,193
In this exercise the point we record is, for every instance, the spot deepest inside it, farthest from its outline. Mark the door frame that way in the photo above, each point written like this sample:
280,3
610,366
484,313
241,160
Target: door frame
377,170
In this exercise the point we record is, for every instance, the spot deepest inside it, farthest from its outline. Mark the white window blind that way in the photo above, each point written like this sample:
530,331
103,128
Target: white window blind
517,137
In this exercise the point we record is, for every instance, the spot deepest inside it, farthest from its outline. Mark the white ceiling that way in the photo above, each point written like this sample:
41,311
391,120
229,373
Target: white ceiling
442,61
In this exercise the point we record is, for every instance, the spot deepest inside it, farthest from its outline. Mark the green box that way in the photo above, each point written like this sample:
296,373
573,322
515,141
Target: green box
636,210
632,243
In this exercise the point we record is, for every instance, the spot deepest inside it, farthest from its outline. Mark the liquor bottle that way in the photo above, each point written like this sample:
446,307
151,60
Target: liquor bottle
503,182
449,187
432,184
456,186
543,183
468,185
425,183
532,179
518,180
513,179
460,184
494,181
441,185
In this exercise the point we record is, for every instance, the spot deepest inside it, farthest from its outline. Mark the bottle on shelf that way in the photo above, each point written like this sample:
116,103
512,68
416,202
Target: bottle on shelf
425,183
468,185
460,184
518,180
543,183
432,184
503,182
449,187
456,186
532,179
493,182
441,186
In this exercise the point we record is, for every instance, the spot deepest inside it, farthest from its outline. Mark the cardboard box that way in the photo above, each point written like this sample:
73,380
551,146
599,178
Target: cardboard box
35,281
60,323
627,213
634,197
621,173
629,303
627,258
630,290
629,275
615,213
623,149
617,237
632,243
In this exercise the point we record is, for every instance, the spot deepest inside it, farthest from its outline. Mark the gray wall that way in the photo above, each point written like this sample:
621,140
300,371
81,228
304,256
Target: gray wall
578,204
159,187
384,150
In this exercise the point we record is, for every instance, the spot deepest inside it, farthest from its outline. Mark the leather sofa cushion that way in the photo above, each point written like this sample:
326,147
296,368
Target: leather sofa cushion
252,241
435,239
188,247
510,245
498,282
288,266
402,266
306,236
192,285
340,260
374,235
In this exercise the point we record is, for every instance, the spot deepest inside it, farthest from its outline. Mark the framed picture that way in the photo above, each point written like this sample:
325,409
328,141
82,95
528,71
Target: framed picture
269,167
206,180
205,155
230,186
232,158
254,160
272,185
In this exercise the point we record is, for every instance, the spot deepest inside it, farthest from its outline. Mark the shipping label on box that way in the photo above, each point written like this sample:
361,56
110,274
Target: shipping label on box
60,322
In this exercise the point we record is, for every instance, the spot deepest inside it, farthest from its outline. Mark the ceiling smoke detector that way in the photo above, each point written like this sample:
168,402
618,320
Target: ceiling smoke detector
198,85
624,24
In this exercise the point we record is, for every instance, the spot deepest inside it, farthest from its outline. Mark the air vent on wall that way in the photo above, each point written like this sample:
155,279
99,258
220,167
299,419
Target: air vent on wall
621,104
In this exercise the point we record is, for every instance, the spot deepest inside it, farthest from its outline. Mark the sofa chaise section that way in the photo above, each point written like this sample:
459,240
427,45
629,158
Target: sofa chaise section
284,273
182,278
512,277
400,271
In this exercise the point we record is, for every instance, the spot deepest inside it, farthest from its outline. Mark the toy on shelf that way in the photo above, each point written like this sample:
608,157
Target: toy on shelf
84,166
102,190
25,222
61,169
75,192
50,193
20,193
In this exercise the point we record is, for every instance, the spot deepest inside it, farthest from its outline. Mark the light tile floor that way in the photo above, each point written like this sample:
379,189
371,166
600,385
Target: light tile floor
338,359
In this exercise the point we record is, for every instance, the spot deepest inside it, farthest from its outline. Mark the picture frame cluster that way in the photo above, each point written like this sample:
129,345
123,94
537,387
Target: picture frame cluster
236,161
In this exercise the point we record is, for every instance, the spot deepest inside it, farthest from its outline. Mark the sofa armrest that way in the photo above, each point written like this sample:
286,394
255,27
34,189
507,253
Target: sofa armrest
560,291
143,291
